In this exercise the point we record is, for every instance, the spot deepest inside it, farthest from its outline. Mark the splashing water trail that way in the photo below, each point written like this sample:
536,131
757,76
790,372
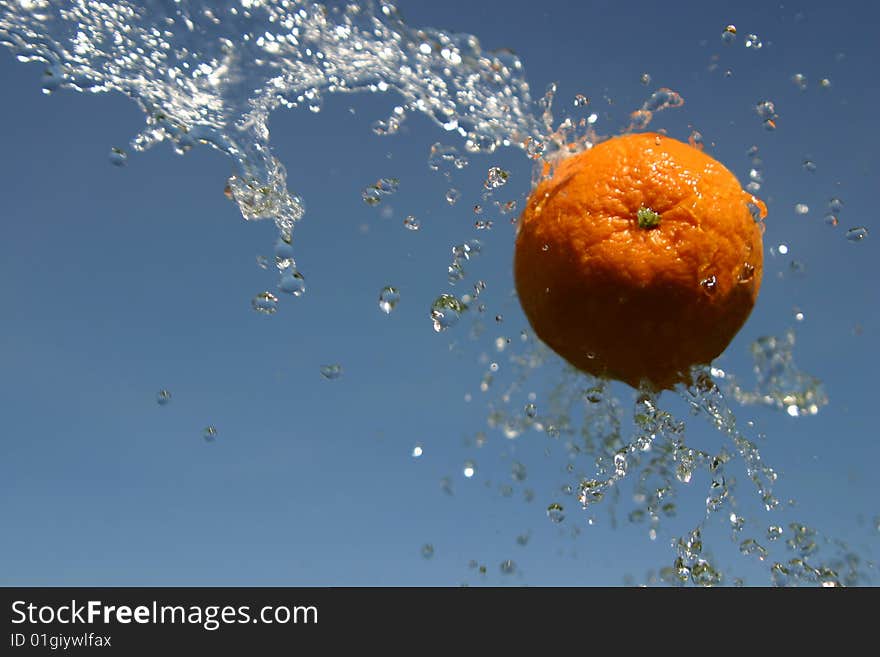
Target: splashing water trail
213,74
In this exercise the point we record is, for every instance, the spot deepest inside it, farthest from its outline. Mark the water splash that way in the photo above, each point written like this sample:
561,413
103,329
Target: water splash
212,73
780,384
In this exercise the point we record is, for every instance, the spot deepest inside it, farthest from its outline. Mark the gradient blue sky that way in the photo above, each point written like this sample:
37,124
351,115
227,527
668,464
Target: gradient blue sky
117,282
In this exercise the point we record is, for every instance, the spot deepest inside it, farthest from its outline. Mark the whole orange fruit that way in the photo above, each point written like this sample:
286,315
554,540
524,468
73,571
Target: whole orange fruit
639,258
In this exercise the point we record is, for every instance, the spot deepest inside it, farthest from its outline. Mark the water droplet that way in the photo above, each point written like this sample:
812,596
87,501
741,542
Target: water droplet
417,451
825,83
331,372
518,471
696,139
801,208
754,42
262,262
265,302
800,81
452,196
591,491
445,312
371,195
835,205
809,166
118,157
209,433
293,283
857,234
427,551
388,299
766,109
747,273
411,223
508,567
774,532
469,469
581,101
497,177
728,36
523,539
163,397
555,512
645,79
531,410
783,249
709,284
831,220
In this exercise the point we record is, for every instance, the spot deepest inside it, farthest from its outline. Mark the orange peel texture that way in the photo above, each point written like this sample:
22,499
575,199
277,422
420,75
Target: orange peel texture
638,259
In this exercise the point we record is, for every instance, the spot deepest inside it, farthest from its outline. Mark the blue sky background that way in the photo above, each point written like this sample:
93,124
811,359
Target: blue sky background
117,282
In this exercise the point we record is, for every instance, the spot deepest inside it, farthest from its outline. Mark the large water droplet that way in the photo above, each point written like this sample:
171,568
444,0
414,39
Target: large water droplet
555,512
293,283
857,234
445,312
497,177
728,36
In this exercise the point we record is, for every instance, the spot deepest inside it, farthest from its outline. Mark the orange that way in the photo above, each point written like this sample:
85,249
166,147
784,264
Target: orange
638,259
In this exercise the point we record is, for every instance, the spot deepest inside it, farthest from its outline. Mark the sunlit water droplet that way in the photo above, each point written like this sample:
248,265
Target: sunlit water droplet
809,166
163,397
210,433
284,254
800,81
445,312
417,451
293,283
856,235
801,208
555,512
469,469
497,177
709,284
411,223
754,42
728,36
265,302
